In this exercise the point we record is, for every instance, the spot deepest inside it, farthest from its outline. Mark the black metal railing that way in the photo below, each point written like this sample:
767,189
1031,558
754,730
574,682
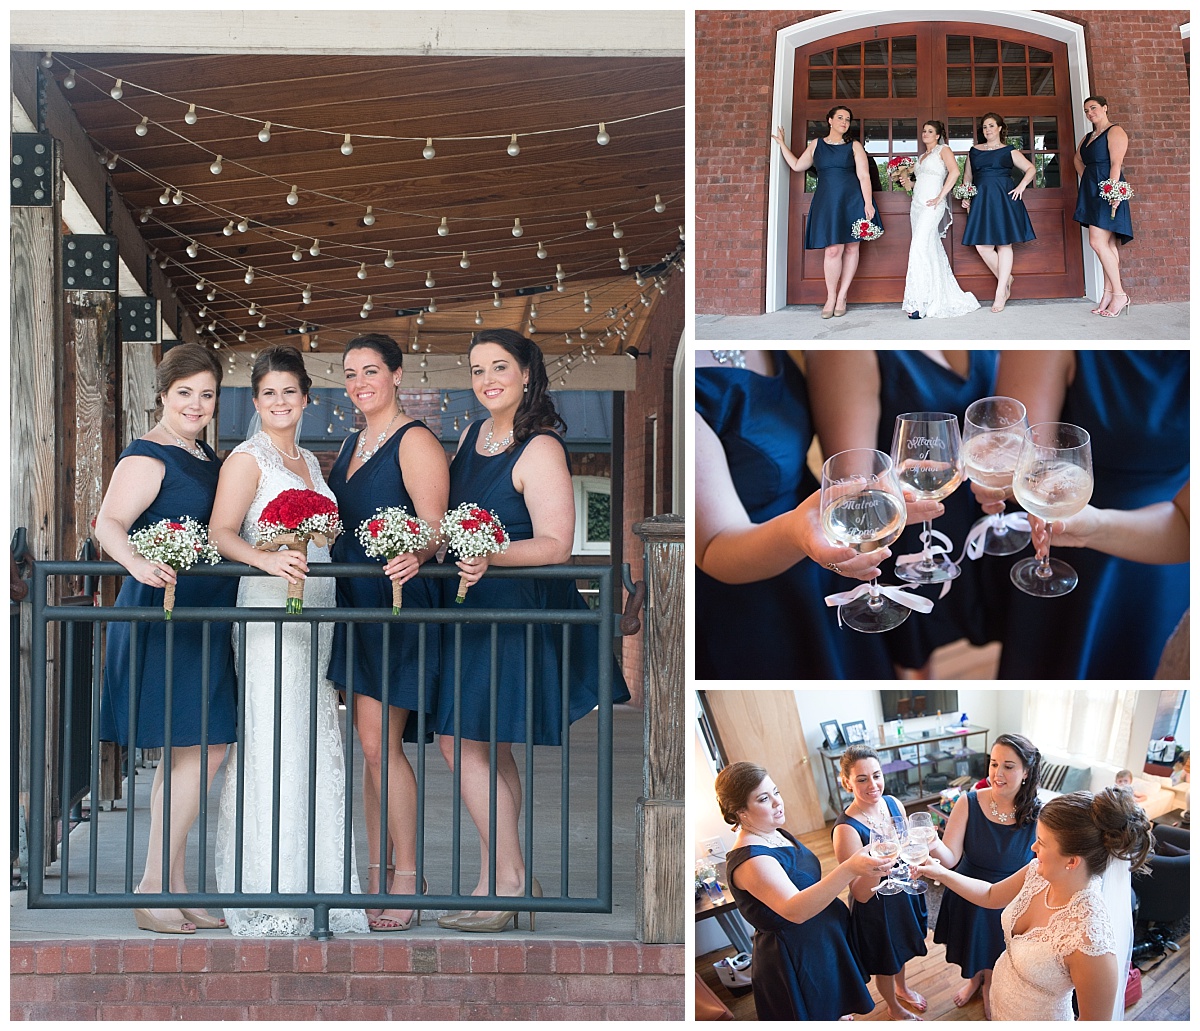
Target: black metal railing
75,620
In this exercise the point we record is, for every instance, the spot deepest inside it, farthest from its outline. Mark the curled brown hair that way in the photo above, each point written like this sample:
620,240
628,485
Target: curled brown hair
181,362
1097,827
536,411
734,785
852,755
1000,124
280,358
1026,804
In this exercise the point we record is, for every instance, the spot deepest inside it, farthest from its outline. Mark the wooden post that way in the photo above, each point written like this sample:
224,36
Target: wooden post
660,812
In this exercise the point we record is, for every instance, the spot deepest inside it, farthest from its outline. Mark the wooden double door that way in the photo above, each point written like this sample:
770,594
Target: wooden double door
895,77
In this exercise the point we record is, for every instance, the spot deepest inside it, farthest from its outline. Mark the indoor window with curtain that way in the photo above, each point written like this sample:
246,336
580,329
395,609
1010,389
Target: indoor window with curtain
1091,724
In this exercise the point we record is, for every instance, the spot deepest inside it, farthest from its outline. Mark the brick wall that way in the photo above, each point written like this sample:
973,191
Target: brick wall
1135,59
282,979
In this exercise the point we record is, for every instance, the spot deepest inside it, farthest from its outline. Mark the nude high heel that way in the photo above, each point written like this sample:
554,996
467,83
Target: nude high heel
147,921
387,923
498,922
1113,314
204,921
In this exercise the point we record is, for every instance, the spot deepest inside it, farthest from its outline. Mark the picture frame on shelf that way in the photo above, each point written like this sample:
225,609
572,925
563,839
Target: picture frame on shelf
832,732
909,752
856,732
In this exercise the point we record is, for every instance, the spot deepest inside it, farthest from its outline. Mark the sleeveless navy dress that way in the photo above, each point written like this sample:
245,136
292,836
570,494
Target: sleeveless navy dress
913,382
778,628
991,851
378,483
1091,209
1135,405
486,480
995,218
188,488
887,930
838,199
802,971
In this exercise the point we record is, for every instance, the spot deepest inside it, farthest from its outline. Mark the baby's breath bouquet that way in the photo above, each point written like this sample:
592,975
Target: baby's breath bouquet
391,532
471,532
179,545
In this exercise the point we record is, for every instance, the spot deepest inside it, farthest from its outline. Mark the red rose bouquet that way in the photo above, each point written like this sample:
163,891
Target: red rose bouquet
391,532
898,168
179,545
865,229
291,519
1114,191
470,532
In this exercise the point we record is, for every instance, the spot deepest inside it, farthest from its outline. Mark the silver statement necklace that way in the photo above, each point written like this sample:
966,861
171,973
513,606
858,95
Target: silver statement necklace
361,451
774,839
494,447
734,359
194,450
1001,817
876,822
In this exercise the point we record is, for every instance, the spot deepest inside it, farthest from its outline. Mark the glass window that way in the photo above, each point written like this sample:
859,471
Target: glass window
817,130
1037,56
904,135
986,51
593,515
820,86
1045,133
875,51
823,59
848,83
962,134
1042,82
875,82
877,140
904,50
958,82
1012,53
1014,82
1049,171
1018,132
904,82
850,55
958,49
987,82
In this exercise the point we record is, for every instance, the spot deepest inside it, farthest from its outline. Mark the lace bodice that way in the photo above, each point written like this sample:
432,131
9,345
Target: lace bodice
932,169
274,479
1031,980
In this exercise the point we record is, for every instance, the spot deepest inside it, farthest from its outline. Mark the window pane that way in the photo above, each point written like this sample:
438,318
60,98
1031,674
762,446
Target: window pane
1049,171
904,135
876,141
817,130
849,83
962,134
1037,56
1042,81
958,82
958,49
825,58
1045,133
850,55
875,51
904,82
1012,53
987,82
1018,132
875,82
986,51
1014,82
820,85
599,516
904,50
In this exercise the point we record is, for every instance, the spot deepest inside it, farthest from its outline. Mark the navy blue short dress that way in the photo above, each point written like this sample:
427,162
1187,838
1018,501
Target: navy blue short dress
1091,209
486,480
188,488
995,218
838,200
802,971
1115,623
991,851
378,483
778,628
886,931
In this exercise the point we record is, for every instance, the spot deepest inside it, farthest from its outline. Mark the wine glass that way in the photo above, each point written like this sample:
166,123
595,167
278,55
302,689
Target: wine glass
921,834
885,844
993,431
1052,480
862,507
927,452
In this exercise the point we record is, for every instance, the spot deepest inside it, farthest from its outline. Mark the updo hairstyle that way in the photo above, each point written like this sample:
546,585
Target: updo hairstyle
182,362
1097,827
938,127
852,755
1102,101
280,359
536,411
381,344
734,785
1026,804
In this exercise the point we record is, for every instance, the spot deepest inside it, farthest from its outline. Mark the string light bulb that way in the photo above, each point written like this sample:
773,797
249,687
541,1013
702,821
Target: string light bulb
362,271
144,217
369,217
297,254
306,294
559,274
111,163
622,259
165,196
216,166
496,280
681,232
264,134
203,312
293,196
602,136
253,309
47,60
590,222
428,153
249,276
429,282
541,251
587,303
202,285
368,304
421,319
496,302
262,323
243,225
347,147
315,249
212,294
659,204
444,227
389,261
561,288
618,232
533,312
143,126
228,230
192,249
432,305
69,81
478,322
190,117
516,229
637,278
464,261
514,148
242,337
116,92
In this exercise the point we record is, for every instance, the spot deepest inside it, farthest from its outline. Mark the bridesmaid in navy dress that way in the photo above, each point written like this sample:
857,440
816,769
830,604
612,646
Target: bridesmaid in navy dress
990,836
886,931
1135,405
393,461
804,967
168,474
997,218
515,464
760,611
843,195
1101,156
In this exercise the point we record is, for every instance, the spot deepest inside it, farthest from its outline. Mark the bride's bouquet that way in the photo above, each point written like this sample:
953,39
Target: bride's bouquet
898,169
965,191
471,532
179,545
291,519
865,229
1114,191
391,532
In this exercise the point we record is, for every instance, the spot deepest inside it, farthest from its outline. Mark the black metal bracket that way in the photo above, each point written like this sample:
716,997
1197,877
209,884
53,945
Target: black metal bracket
89,263
32,165
139,319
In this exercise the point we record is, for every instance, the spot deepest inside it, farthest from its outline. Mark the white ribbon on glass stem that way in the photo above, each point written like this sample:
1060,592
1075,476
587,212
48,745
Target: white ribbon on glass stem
944,547
973,546
912,601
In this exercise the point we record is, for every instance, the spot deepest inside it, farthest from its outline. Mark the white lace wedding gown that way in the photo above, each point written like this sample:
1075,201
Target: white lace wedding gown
930,287
1031,981
257,743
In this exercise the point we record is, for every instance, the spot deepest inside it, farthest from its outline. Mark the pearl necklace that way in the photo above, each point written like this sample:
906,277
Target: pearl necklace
1048,906
294,458
196,451
1001,817
361,452
493,448
734,359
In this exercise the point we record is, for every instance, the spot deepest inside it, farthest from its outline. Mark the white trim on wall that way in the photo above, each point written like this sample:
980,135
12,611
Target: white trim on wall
790,39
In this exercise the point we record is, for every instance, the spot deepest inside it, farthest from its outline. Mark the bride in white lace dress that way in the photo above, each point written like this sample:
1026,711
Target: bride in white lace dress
1067,918
930,289
267,464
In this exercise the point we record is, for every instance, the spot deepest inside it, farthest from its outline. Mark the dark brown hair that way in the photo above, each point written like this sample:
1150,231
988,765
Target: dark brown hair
280,359
382,344
852,755
536,411
1102,101
1026,804
835,109
1097,827
734,785
938,126
1000,123
181,362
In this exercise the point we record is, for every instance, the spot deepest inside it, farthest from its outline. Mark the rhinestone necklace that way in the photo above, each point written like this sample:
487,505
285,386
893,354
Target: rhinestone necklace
361,451
494,447
195,450
734,359
877,823
774,839
1001,817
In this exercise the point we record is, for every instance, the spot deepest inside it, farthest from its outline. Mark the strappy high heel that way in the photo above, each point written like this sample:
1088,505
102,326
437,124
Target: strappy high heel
1113,314
390,923
1105,301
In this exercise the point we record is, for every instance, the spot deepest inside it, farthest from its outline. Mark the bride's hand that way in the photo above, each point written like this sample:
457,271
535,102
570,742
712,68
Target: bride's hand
933,203
290,565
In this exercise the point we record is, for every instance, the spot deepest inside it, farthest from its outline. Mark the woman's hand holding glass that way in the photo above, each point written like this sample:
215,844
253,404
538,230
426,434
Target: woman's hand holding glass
844,560
993,431
885,845
921,834
926,450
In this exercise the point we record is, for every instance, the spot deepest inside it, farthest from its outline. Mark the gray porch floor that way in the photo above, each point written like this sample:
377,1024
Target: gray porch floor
90,924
